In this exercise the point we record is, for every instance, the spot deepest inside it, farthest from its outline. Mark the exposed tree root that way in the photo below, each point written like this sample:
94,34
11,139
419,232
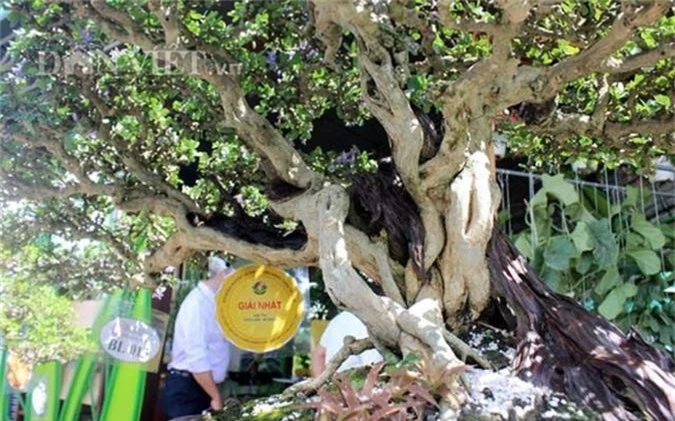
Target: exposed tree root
569,349
465,350
422,322
350,347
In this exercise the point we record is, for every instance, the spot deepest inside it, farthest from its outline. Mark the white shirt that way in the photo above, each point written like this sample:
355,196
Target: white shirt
346,324
198,343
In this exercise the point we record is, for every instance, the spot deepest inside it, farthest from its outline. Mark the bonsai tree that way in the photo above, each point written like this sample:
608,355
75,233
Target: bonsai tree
166,128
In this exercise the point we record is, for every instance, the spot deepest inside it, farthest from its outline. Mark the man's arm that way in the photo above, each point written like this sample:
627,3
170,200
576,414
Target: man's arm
318,360
205,380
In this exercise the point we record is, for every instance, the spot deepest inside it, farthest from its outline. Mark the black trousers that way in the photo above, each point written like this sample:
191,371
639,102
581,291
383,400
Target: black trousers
183,396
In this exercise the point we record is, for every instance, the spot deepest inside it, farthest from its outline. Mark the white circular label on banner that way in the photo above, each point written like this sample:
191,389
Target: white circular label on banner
130,340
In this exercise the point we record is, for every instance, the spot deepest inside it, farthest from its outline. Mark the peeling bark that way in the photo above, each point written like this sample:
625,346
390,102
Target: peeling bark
567,348
386,205
251,230
473,201
344,285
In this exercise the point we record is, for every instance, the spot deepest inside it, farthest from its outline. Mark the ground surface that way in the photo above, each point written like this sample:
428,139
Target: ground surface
495,395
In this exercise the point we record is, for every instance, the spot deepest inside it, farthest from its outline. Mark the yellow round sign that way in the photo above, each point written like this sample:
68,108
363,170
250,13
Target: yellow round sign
259,308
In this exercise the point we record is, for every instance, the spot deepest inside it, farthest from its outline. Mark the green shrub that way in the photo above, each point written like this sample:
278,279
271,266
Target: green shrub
38,325
605,253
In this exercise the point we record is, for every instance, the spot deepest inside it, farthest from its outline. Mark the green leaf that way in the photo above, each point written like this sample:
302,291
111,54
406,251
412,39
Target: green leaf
567,48
648,38
632,196
70,143
652,234
140,244
552,278
596,201
670,289
629,289
663,100
562,190
653,324
666,276
539,199
610,279
666,335
584,263
606,250
647,260
558,253
612,305
668,230
635,241
523,245
582,237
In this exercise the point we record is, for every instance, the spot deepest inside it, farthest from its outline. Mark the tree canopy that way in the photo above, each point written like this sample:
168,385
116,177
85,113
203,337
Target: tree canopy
166,107
351,135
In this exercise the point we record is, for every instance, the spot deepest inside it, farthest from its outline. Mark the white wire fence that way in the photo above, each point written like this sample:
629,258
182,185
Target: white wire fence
656,199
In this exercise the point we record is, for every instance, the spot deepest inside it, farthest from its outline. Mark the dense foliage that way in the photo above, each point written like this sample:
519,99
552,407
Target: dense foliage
127,118
158,130
601,249
39,325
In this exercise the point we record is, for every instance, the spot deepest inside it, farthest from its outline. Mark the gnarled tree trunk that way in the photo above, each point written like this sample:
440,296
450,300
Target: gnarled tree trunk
440,198
564,346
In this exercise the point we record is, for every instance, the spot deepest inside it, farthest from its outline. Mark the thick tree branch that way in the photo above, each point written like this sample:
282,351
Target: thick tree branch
189,238
419,322
638,61
596,56
252,128
386,100
538,85
51,140
168,19
345,287
618,134
473,199
654,128
140,198
498,82
469,102
373,260
173,252
205,238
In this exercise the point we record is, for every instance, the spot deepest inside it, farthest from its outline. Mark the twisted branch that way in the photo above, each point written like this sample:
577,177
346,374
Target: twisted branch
251,127
351,347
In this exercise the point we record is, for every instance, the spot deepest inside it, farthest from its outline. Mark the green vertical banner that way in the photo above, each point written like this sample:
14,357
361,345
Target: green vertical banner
85,366
125,389
4,387
43,399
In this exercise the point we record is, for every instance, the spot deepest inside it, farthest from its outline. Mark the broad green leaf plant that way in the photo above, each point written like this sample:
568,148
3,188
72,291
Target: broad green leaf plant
605,253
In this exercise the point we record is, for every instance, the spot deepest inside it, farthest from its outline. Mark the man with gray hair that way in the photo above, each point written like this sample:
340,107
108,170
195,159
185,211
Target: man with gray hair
200,354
